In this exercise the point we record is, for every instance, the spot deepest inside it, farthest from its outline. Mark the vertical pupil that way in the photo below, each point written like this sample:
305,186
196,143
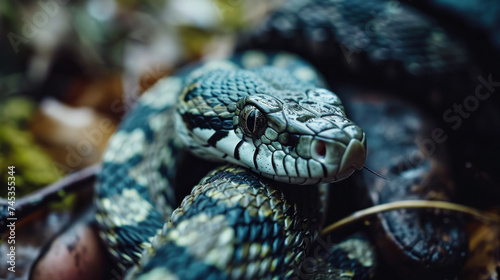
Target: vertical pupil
251,121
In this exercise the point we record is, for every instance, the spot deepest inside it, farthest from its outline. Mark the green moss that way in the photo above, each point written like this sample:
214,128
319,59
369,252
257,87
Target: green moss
67,201
34,168
16,111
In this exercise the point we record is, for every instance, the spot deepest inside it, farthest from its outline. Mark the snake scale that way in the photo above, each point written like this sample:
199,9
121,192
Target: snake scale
267,120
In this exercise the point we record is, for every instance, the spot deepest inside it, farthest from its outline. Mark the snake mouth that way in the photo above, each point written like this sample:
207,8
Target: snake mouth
353,159
330,161
339,161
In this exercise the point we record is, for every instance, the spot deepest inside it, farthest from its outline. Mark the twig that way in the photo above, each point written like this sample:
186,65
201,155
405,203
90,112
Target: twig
70,183
358,216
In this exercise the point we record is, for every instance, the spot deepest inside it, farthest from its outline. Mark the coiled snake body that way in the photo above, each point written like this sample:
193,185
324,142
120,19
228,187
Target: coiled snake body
263,111
269,114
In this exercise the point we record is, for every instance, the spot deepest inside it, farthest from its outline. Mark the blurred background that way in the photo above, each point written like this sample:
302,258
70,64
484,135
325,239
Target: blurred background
70,70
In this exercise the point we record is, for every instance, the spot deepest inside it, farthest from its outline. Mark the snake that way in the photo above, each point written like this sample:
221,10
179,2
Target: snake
264,113
220,170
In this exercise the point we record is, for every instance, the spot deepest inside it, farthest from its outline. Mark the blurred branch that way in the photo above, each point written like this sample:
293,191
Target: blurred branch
30,203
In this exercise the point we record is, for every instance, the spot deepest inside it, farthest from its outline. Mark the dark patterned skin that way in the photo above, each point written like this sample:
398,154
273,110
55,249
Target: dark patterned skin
236,225
392,45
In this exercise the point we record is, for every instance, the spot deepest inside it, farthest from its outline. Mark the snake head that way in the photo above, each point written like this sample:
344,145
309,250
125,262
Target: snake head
299,140
271,122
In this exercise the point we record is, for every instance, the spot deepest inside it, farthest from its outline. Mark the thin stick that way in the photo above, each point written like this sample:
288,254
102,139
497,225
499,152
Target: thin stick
357,216
70,183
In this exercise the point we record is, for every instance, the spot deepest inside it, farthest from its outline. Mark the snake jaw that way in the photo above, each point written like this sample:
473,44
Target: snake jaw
353,159
339,161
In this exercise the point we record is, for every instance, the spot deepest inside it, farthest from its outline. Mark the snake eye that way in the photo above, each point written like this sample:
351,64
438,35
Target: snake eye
253,121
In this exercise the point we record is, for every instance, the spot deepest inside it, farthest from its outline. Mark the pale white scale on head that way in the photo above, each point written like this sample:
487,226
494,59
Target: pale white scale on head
196,140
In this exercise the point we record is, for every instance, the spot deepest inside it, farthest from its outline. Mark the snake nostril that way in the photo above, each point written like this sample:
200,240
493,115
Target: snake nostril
320,149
